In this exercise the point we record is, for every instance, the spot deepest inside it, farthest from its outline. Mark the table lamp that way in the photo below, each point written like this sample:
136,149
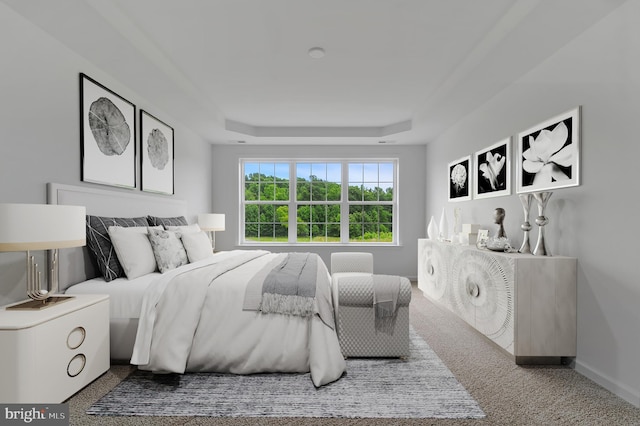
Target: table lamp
27,227
211,222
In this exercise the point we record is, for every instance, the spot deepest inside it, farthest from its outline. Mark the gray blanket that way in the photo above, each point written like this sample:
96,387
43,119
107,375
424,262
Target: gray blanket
288,286
386,289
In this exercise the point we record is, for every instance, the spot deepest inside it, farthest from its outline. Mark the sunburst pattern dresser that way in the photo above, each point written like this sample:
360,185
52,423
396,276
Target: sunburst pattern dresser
525,304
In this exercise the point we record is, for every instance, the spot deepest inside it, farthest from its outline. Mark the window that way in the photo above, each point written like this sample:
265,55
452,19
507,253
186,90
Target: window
334,201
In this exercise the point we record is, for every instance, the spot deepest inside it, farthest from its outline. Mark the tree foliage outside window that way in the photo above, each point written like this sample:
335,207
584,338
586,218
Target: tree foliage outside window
334,201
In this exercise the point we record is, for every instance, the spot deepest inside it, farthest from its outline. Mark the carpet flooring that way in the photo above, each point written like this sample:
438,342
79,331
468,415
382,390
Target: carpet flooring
420,386
507,393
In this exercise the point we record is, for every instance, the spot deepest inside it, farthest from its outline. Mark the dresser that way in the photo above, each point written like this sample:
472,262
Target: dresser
48,355
526,304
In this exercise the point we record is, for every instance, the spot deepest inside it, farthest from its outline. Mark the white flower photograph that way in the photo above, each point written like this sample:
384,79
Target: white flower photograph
549,154
459,176
493,170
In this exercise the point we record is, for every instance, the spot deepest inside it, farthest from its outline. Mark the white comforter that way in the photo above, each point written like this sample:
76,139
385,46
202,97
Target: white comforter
194,322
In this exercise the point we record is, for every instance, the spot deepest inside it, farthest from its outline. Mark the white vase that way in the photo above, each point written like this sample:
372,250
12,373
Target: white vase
444,226
432,229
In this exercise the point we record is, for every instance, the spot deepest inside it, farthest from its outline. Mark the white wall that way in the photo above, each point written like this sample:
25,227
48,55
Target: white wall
400,260
40,135
596,222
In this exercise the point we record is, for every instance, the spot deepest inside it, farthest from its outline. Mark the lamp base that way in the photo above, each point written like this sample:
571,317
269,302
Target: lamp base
39,304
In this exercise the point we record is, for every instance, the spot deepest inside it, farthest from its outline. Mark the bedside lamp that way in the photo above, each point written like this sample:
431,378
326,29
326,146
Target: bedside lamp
211,222
26,227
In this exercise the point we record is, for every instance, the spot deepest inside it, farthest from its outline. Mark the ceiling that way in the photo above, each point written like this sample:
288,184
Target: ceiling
398,71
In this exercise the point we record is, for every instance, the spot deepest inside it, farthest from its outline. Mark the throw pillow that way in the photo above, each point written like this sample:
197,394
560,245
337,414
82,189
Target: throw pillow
167,249
197,245
100,246
134,250
166,221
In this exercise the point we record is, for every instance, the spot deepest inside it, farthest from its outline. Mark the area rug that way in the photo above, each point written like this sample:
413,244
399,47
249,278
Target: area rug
420,386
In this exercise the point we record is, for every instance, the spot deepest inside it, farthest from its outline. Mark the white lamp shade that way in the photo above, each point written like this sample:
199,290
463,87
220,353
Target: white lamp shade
211,221
41,227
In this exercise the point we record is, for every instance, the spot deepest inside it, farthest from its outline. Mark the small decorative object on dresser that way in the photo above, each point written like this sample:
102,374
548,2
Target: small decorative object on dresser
498,217
432,229
542,198
469,233
48,355
525,199
443,229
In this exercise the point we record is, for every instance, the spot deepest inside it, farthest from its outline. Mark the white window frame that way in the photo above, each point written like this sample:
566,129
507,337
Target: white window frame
344,203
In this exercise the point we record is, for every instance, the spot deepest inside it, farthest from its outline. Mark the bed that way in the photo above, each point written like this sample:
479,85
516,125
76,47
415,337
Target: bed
202,316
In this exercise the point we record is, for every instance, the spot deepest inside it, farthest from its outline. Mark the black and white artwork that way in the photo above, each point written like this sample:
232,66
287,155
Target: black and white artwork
549,154
459,177
156,139
493,170
107,131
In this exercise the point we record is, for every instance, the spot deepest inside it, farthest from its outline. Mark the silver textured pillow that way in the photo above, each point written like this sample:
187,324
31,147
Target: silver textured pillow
167,249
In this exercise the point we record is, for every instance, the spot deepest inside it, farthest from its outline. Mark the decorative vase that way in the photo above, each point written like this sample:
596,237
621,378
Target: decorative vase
525,199
542,198
444,227
432,229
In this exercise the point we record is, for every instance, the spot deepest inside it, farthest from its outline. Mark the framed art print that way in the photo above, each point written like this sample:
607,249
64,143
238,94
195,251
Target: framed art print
156,139
459,178
492,167
549,154
107,132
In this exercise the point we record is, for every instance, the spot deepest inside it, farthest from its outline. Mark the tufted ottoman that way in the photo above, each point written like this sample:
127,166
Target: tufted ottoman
352,281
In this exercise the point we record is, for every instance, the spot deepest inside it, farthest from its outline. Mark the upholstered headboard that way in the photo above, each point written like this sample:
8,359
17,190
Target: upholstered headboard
75,264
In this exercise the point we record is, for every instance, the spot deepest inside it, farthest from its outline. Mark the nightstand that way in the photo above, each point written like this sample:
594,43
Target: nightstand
48,355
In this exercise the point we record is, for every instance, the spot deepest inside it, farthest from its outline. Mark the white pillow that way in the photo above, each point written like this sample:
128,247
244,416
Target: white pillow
167,249
133,250
184,228
197,245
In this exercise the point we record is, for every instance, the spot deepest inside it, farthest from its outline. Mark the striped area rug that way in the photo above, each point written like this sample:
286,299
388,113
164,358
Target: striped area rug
420,386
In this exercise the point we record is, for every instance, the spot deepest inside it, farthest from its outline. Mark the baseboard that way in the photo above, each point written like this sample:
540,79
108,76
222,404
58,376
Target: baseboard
623,391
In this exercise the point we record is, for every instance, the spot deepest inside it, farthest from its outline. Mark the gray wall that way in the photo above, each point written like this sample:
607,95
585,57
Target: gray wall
595,222
401,260
40,136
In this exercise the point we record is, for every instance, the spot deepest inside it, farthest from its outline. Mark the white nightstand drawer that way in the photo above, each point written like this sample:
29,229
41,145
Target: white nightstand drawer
66,349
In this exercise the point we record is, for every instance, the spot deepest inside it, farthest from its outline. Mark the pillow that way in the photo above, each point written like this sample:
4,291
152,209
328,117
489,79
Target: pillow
197,245
100,246
134,250
166,221
183,229
167,249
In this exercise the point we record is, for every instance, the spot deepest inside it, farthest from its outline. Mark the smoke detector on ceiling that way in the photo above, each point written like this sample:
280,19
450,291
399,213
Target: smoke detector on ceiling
316,52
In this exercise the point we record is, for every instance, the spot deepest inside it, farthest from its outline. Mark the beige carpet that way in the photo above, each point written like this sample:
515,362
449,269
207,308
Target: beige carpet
507,393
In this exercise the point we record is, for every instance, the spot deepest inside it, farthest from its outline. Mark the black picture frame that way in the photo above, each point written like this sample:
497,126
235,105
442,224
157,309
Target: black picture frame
156,155
554,161
107,136
492,168
459,178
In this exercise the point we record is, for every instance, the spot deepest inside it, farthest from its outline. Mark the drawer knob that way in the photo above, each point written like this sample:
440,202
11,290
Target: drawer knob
76,365
76,337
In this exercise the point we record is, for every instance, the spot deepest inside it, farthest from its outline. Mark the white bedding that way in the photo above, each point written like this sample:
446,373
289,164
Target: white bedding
125,296
218,336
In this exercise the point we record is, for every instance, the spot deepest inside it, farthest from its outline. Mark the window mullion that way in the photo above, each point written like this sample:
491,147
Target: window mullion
344,204
293,205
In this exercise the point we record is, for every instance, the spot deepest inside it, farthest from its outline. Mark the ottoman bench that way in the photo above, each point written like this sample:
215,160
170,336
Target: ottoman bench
352,281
